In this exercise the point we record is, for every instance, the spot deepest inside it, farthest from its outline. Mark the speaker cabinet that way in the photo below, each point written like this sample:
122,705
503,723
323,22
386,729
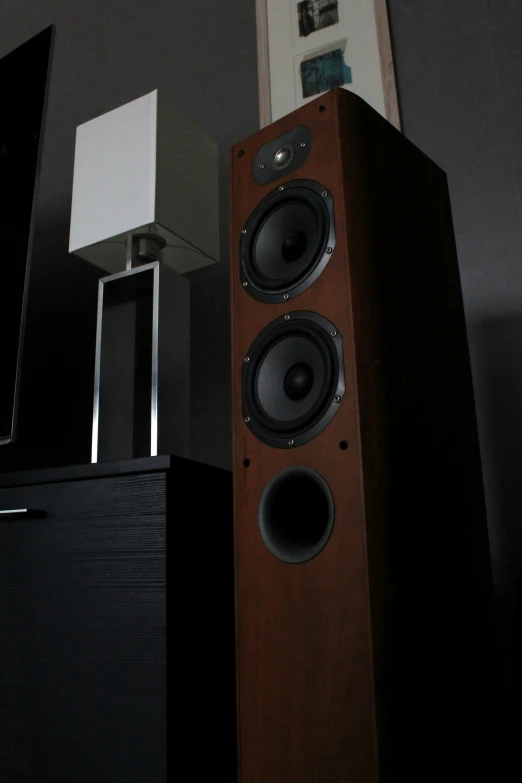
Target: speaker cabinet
365,633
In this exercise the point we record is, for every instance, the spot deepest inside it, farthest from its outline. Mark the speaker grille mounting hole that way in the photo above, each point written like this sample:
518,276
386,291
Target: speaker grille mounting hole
296,514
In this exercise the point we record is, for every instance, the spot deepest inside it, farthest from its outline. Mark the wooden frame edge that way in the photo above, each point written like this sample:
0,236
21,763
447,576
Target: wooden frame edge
391,100
263,64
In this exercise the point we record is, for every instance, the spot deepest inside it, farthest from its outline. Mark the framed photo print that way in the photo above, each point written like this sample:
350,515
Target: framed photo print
306,47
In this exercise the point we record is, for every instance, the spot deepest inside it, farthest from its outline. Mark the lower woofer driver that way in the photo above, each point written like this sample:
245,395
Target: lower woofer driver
293,379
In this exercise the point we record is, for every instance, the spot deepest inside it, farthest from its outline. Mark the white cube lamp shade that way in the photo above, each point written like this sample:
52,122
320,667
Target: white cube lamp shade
145,168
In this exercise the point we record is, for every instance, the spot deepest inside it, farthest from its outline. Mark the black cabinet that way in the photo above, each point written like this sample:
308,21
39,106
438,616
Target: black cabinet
83,620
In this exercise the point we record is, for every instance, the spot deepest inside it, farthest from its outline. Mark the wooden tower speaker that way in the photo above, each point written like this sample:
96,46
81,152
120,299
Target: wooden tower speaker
365,632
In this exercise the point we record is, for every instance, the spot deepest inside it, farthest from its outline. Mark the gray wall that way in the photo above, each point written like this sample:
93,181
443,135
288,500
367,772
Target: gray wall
108,52
459,69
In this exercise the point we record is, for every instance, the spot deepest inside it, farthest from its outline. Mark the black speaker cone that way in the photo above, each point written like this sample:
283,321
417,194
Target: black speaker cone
286,239
293,380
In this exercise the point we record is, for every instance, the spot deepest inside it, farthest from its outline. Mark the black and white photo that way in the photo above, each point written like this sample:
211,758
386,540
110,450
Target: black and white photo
315,15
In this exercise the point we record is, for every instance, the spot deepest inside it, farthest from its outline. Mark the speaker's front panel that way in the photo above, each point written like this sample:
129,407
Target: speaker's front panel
306,709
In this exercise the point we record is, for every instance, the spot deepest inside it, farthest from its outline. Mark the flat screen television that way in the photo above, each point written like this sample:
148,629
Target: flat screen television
24,75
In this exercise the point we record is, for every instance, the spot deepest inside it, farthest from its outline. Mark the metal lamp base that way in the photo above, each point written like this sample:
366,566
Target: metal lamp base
142,370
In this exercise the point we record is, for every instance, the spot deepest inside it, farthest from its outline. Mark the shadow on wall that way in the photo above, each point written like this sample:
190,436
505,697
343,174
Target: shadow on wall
210,354
498,347
211,411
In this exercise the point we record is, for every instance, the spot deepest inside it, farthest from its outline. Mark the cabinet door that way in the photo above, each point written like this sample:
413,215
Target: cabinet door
82,632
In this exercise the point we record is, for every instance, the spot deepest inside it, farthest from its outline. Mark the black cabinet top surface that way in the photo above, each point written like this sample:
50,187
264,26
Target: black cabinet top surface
88,471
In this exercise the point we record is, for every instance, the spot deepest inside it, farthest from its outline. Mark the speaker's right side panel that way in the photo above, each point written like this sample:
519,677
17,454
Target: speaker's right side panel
431,596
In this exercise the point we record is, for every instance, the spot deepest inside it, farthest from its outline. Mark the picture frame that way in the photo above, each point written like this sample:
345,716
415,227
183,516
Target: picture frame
306,46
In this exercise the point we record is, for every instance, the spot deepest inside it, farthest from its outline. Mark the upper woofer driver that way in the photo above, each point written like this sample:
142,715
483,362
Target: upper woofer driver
287,241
